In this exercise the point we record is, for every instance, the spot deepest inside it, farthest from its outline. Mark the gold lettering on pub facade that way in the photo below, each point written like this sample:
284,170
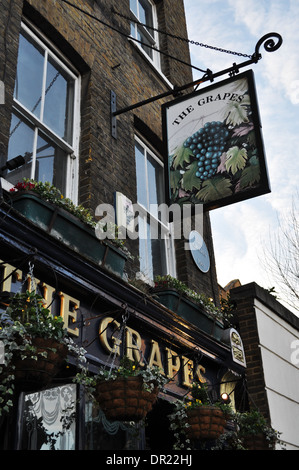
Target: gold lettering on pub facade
68,311
68,304
173,363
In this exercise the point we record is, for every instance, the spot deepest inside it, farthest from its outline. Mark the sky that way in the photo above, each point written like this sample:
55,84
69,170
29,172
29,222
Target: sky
242,232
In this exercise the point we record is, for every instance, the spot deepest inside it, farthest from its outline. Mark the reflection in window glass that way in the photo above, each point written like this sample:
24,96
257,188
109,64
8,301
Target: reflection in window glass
29,78
156,249
100,434
44,129
144,32
155,178
50,163
59,98
149,180
145,255
49,419
21,138
141,175
45,154
145,43
133,7
20,143
152,252
145,14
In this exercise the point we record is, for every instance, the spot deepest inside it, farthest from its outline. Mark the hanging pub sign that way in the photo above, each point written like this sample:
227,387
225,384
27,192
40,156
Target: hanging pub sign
214,145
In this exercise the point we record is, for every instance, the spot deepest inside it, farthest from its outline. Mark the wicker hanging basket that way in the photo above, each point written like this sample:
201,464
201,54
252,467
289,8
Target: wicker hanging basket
34,374
124,399
205,422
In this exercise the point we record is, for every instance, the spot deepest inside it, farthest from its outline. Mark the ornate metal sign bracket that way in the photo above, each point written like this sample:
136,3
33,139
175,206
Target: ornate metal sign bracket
271,42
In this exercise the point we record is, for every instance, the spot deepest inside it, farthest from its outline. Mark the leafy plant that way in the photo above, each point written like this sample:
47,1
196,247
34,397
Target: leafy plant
167,281
51,194
27,309
253,422
199,398
151,376
244,424
27,318
228,308
200,393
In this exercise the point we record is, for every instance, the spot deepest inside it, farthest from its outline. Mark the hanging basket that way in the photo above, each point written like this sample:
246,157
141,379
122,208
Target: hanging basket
33,375
205,422
257,442
124,399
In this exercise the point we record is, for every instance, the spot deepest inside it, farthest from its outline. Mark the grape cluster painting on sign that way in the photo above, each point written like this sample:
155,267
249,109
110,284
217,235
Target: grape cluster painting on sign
214,145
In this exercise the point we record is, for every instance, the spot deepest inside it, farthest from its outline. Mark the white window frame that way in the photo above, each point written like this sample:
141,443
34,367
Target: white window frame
72,149
150,34
166,229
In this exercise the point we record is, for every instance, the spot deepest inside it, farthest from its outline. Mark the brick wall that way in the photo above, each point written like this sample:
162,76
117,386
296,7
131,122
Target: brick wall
245,311
10,17
107,61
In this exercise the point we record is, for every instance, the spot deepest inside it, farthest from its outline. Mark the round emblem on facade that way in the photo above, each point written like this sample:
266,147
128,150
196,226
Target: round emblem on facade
199,251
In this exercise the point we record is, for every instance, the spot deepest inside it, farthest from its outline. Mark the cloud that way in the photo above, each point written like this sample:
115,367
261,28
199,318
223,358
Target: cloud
237,26
239,234
261,17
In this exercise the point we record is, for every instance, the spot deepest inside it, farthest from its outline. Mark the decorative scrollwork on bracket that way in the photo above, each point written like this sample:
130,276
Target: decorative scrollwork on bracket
270,44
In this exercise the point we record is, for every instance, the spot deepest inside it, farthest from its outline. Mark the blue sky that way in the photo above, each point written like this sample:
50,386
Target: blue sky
242,231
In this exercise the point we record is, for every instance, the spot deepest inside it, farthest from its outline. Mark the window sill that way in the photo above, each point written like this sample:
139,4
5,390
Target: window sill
151,63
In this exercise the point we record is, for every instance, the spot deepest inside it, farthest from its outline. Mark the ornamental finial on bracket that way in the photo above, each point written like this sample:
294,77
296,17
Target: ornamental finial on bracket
269,44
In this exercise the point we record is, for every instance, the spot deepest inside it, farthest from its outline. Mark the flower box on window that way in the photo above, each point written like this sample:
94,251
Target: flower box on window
66,228
190,311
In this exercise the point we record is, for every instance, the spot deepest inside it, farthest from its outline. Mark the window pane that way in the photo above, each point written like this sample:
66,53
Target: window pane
59,100
145,14
155,181
143,10
150,193
133,7
144,41
152,251
133,31
29,79
158,257
145,249
49,419
20,143
99,438
50,163
141,175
